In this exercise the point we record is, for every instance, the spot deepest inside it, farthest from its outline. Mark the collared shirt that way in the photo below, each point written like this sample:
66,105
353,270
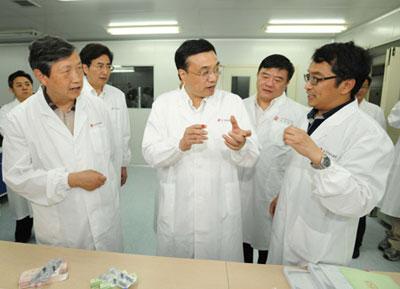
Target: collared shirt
260,111
190,102
314,120
68,118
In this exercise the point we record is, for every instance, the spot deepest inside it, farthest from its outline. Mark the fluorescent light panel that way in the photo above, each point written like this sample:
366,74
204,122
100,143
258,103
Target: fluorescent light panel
307,21
305,28
143,30
143,23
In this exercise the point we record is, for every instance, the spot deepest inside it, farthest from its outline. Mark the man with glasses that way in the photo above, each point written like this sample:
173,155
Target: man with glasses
194,138
58,152
339,168
97,65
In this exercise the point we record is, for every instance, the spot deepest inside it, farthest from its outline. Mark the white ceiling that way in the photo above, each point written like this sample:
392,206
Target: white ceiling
87,19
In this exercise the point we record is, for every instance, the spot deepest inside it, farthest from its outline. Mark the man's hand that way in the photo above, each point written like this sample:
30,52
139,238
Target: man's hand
88,180
195,134
124,175
236,138
272,206
301,142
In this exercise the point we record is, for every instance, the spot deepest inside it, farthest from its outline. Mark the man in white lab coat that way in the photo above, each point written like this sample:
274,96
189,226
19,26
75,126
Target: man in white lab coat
377,114
97,65
369,108
270,112
391,201
20,84
194,138
339,170
58,153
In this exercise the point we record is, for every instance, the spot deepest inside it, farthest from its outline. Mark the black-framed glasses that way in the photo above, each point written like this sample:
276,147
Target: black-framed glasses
315,80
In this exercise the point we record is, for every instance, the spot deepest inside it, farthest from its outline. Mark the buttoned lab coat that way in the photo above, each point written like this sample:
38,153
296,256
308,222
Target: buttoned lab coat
373,111
391,200
199,213
260,184
116,103
39,152
19,206
318,210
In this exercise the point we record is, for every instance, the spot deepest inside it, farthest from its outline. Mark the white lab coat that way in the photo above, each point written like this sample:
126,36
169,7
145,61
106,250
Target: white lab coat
260,184
39,153
391,201
199,213
373,111
318,210
19,206
116,103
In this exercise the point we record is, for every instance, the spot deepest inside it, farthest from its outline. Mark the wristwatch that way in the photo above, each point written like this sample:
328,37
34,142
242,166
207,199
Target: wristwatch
325,162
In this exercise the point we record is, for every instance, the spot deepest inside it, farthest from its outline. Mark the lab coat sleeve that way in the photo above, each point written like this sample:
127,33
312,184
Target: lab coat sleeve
43,187
126,135
158,148
353,185
394,116
247,156
381,119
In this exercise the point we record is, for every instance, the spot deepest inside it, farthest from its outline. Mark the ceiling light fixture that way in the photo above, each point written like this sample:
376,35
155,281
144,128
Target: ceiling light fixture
123,69
307,21
19,35
141,30
143,23
305,28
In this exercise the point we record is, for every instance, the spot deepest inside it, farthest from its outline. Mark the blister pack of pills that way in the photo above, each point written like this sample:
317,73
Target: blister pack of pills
54,271
113,279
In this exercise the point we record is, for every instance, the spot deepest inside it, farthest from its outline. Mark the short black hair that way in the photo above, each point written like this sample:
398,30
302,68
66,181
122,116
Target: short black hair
278,61
348,61
189,48
94,50
18,73
44,51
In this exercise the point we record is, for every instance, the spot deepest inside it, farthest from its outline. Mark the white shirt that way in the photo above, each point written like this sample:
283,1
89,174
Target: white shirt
318,211
39,152
199,213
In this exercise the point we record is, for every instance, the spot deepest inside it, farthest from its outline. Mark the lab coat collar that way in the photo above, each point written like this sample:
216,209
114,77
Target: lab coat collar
89,88
272,109
335,119
209,108
54,121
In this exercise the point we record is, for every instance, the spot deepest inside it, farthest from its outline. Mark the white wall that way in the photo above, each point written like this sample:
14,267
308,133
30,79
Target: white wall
379,31
160,54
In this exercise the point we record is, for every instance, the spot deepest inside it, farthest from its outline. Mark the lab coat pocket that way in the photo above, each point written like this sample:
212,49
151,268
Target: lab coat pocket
231,199
98,135
308,243
166,215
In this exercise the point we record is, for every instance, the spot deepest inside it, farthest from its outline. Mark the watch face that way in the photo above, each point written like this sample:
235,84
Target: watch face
326,162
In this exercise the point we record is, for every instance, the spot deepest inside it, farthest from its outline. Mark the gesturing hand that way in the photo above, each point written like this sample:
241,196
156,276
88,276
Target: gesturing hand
301,142
195,134
236,138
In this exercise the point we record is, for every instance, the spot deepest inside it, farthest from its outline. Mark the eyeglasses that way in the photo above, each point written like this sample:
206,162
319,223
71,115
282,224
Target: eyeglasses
313,80
101,66
205,74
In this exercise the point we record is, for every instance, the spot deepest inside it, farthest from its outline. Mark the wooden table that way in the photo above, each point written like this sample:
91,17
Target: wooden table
153,272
